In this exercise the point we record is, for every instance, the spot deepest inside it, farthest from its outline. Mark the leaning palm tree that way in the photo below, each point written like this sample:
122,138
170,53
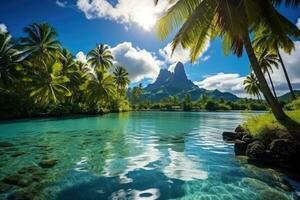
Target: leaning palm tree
121,78
201,21
9,59
251,86
267,60
47,84
100,57
266,39
40,42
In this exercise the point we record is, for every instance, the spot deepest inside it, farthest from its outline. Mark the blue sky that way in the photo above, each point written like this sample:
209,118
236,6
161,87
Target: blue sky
121,25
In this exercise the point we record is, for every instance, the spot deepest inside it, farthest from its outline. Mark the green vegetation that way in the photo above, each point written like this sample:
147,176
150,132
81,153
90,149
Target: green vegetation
38,76
205,103
198,22
265,127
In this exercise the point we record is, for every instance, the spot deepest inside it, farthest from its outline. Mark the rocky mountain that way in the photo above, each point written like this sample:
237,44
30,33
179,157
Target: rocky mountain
177,84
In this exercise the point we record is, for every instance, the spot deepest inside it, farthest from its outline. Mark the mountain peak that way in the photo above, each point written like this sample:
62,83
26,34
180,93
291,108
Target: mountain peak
177,84
179,72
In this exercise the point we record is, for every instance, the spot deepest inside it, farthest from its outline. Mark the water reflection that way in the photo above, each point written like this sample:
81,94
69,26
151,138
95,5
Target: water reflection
150,155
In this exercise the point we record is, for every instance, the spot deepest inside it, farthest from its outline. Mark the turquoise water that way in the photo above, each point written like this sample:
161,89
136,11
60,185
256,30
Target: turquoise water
137,155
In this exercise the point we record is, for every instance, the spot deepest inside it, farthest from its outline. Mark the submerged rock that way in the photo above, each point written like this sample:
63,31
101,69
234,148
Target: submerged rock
18,153
28,169
17,179
270,194
4,187
240,147
48,163
21,195
5,144
256,150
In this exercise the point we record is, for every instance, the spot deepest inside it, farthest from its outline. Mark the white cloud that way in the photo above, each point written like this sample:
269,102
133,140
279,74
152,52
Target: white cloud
298,23
139,63
142,13
224,82
62,4
3,28
180,55
234,82
81,57
292,63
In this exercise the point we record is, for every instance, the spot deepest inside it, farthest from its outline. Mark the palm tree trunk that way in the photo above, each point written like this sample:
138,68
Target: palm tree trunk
286,75
272,84
273,103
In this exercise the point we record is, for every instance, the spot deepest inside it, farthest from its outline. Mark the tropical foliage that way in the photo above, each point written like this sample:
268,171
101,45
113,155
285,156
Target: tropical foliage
233,21
38,76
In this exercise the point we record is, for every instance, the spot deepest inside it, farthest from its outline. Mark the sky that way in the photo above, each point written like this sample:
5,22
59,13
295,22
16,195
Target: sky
128,27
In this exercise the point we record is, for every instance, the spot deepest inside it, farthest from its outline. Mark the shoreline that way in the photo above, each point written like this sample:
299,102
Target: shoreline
82,115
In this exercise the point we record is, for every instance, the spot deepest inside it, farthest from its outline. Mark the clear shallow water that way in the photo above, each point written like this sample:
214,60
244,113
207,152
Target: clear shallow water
138,155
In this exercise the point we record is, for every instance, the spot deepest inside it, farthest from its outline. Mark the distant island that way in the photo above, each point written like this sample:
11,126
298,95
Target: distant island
177,84
173,91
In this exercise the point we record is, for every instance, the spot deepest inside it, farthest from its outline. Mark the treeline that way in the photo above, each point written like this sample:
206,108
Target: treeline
40,77
204,103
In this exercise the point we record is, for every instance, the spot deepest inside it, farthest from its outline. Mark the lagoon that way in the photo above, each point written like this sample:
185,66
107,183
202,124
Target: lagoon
135,155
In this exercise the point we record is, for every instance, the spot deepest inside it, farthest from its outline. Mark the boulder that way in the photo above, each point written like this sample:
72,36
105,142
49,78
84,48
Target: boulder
240,147
256,150
229,136
239,129
248,138
48,163
286,151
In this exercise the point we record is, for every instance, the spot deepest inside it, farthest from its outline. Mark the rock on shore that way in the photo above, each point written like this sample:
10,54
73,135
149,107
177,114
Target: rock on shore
280,150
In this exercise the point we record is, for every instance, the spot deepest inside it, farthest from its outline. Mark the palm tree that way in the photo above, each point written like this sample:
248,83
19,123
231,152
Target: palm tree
136,93
48,84
9,59
266,39
252,86
121,78
201,21
268,60
100,89
100,58
40,42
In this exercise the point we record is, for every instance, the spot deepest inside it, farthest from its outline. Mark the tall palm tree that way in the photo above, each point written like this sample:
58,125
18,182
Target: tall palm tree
100,58
251,86
47,84
100,89
233,20
266,39
121,78
267,60
40,42
9,59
